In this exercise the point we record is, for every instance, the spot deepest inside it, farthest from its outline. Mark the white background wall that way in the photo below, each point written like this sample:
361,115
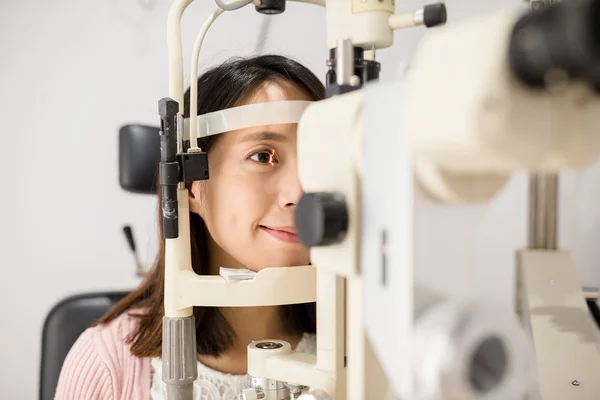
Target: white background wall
74,71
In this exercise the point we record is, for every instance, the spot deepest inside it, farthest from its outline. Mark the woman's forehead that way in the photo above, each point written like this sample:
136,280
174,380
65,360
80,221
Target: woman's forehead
283,135
276,91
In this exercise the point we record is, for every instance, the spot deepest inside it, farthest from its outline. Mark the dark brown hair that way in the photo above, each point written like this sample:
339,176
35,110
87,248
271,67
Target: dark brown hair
221,87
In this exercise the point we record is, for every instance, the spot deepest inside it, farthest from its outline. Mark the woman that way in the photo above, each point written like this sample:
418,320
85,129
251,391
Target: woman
242,217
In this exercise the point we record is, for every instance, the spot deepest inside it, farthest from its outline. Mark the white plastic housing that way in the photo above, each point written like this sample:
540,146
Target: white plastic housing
468,114
441,334
175,55
325,370
327,136
365,22
178,259
386,239
285,365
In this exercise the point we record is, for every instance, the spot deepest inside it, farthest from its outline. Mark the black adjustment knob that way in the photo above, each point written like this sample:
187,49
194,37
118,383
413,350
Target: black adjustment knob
435,14
321,219
271,7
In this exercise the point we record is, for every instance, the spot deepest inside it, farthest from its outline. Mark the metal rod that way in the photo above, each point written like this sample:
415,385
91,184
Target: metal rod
543,195
344,60
543,211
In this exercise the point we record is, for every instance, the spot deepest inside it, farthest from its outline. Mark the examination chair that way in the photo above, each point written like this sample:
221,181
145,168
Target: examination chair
63,325
139,156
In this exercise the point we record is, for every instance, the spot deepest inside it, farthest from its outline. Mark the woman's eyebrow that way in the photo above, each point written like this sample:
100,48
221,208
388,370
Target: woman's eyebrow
263,136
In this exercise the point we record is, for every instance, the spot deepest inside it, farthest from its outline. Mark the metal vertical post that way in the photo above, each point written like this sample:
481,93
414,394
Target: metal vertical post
543,196
543,211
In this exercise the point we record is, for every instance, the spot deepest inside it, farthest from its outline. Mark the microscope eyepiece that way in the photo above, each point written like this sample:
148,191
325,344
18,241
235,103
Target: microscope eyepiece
560,40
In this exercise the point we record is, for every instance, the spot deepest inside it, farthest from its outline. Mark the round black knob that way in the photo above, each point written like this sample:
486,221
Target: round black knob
321,219
563,37
435,14
271,7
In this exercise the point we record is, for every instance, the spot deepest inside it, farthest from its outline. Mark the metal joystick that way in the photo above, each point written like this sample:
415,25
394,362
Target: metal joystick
321,219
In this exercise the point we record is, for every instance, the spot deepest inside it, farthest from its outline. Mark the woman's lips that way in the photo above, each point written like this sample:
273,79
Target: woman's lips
283,234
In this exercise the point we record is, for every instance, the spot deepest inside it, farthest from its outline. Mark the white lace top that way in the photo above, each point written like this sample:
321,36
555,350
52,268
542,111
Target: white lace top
215,385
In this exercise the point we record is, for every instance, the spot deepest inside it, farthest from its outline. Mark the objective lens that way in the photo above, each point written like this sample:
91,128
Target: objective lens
562,39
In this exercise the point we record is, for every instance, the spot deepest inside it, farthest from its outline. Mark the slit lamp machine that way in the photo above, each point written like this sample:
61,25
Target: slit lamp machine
513,91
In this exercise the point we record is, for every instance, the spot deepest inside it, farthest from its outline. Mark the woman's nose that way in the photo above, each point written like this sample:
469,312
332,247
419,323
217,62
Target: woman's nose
291,190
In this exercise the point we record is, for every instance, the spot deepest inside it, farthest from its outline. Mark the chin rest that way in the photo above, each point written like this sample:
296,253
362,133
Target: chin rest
139,157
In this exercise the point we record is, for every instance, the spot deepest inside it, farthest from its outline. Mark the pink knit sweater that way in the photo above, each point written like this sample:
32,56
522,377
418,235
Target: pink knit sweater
100,366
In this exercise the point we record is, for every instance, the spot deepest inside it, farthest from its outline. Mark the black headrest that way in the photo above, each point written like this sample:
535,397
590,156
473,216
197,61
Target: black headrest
139,156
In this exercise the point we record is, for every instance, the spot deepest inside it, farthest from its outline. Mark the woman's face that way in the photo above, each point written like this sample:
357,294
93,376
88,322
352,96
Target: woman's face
249,200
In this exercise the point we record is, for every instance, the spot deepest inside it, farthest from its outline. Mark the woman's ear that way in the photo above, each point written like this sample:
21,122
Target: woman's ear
195,196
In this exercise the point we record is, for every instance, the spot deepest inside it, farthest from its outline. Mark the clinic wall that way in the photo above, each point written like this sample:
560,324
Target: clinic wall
73,72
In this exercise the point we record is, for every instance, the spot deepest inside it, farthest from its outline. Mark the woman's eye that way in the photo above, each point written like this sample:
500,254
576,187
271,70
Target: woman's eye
265,157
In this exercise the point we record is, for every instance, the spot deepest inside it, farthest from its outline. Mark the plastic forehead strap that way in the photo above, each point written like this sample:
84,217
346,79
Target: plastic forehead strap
247,116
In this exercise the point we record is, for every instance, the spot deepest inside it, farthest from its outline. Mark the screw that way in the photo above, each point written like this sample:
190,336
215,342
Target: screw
575,383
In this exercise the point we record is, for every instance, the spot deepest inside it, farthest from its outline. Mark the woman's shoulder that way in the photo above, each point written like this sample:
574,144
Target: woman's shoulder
100,361
118,330
105,337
